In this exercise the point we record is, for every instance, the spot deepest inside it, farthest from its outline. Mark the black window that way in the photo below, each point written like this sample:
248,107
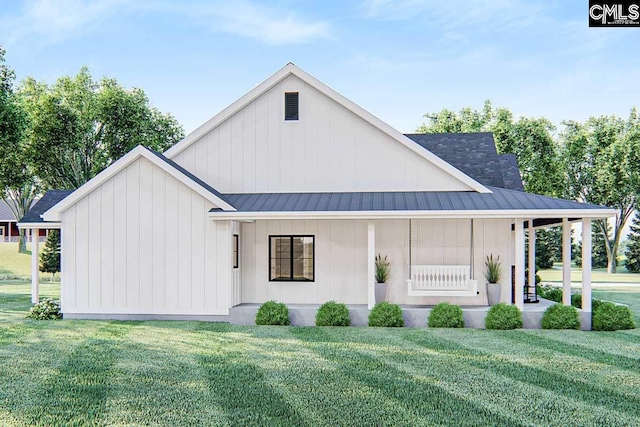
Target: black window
291,258
235,251
291,106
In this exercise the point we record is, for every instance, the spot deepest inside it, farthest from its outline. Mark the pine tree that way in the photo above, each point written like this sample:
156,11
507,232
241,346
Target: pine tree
50,258
598,250
633,246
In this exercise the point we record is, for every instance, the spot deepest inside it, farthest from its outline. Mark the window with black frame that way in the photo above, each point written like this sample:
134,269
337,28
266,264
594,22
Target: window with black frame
291,258
236,256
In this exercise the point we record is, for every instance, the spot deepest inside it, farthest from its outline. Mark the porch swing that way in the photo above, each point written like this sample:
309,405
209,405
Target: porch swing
442,280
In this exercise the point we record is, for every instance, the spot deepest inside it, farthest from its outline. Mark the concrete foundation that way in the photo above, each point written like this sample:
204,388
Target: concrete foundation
305,315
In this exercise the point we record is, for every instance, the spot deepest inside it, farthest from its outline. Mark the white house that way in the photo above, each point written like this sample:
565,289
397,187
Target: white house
288,194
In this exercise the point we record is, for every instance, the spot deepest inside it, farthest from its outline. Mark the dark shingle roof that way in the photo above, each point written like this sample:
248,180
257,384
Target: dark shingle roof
500,199
51,198
475,155
511,172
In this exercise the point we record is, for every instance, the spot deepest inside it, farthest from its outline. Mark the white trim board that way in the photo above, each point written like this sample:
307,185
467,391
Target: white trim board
291,69
53,214
39,225
495,214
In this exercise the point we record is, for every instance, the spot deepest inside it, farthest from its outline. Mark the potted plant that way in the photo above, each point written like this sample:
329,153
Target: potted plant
383,269
493,272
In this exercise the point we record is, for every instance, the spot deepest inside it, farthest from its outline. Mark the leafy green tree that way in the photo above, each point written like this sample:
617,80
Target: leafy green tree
17,183
601,160
50,257
633,246
79,126
530,139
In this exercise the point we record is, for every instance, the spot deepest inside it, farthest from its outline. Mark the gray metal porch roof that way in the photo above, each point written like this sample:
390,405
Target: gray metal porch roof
500,199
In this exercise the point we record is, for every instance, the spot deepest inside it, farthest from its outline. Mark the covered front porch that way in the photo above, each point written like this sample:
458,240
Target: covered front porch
460,282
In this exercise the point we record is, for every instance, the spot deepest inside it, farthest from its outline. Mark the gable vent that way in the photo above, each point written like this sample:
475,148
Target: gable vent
291,106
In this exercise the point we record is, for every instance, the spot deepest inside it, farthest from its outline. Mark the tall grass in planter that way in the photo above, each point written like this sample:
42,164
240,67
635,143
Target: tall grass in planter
383,271
493,273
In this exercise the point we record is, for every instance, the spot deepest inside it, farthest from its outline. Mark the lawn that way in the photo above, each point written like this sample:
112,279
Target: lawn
14,264
598,275
72,373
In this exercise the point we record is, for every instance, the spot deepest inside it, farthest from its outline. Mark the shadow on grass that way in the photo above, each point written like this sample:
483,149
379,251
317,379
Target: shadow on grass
434,404
240,389
557,383
76,395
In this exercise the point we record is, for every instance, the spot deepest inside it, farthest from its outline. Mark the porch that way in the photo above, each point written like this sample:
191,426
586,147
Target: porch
415,316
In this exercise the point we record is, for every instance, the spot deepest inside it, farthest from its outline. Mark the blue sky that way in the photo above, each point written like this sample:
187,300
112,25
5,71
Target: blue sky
396,58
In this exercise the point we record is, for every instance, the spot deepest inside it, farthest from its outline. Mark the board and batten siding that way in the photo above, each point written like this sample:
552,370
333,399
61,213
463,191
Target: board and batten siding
142,243
341,257
329,149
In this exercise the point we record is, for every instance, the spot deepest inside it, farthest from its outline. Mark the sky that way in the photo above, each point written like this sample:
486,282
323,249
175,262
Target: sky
398,59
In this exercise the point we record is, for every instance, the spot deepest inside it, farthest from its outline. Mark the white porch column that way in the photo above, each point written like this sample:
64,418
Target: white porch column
532,255
371,265
35,268
519,261
586,273
566,262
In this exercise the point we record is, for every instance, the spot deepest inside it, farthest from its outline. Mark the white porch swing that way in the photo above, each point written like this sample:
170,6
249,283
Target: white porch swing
441,280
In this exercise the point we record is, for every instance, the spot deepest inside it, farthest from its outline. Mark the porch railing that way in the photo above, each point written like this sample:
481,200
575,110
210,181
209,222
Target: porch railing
441,280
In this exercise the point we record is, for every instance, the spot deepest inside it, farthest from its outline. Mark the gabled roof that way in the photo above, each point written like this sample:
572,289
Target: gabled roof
196,184
49,200
291,69
6,215
474,154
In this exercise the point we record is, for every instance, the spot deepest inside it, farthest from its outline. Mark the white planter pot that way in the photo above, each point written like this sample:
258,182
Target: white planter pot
381,292
493,293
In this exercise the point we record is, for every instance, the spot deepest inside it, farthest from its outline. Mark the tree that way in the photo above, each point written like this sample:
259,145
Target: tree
18,185
601,159
598,249
79,126
548,247
50,257
633,246
530,139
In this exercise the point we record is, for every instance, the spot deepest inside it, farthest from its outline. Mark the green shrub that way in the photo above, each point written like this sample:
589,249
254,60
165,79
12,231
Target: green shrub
333,314
47,309
503,316
612,317
595,303
445,315
560,316
273,313
552,293
385,314
576,301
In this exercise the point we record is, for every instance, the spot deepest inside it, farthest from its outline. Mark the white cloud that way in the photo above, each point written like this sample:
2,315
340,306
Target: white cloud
53,21
268,25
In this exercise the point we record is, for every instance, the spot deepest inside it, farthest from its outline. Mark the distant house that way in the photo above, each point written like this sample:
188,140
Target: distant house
9,231
288,194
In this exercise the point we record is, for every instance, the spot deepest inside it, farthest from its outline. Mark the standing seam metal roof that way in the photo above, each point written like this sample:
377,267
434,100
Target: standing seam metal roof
500,199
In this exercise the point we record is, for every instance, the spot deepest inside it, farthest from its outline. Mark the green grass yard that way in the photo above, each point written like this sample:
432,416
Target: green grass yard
14,264
76,373
598,275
